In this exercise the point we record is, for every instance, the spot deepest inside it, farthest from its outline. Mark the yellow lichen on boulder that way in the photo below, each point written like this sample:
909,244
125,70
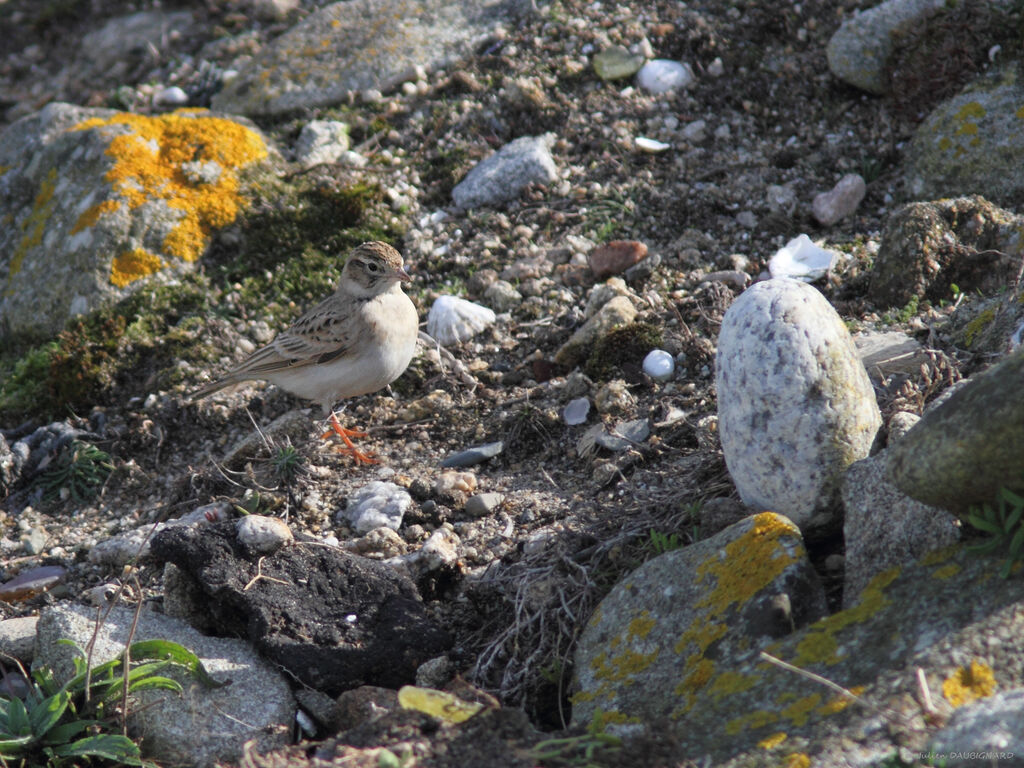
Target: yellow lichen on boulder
966,684
185,159
133,265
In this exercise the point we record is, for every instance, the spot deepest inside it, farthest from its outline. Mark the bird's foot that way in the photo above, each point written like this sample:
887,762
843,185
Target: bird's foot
346,436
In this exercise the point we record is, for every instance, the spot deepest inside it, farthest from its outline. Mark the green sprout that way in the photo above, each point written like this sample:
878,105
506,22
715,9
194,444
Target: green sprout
1002,523
287,462
661,543
81,468
583,751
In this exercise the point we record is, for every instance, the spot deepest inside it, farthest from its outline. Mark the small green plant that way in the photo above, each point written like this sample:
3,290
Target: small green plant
287,462
904,315
61,725
1003,525
660,542
582,751
82,468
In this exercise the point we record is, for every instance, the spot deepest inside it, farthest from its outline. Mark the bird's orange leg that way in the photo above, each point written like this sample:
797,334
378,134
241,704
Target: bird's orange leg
346,436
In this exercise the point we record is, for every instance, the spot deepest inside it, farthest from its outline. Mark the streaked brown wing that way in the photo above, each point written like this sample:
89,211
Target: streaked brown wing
326,332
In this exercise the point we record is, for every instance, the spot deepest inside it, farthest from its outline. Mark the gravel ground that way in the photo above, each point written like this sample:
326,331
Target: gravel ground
571,522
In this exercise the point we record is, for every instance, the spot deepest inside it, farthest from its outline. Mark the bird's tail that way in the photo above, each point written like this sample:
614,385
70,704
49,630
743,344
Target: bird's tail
209,389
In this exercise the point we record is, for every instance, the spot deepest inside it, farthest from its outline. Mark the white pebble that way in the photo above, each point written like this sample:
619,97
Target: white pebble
659,365
664,75
172,97
651,145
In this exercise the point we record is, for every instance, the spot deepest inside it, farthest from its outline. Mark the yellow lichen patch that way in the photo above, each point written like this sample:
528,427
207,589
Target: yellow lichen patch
702,671
4,169
946,572
940,555
970,111
641,626
156,158
731,682
750,563
93,213
771,742
796,760
978,324
800,710
840,702
33,226
130,266
819,644
603,718
622,665
969,683
759,719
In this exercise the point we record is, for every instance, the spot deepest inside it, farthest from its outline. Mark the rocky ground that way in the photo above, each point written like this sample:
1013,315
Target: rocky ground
764,110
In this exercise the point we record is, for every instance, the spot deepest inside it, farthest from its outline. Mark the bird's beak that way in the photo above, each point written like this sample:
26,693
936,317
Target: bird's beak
402,275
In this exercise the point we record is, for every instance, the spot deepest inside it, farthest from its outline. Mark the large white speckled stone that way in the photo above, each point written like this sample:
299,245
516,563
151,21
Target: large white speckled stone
795,405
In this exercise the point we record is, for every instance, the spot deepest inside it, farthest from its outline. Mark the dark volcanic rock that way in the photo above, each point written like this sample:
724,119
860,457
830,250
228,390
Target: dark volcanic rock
334,620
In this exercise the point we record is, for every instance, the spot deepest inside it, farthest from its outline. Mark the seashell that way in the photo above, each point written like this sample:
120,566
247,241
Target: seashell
651,145
659,365
576,411
802,259
453,320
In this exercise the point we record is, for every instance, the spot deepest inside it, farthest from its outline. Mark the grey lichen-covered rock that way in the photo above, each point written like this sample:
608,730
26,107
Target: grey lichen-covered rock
203,725
502,176
795,405
356,46
321,141
941,614
992,726
964,450
929,247
653,646
617,311
883,527
98,200
971,144
858,51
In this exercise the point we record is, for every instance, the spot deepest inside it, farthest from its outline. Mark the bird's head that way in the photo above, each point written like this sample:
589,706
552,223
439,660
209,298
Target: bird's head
373,268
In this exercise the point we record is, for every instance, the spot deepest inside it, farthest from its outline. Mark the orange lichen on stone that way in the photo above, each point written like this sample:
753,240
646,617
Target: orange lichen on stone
819,644
153,157
33,226
745,567
840,702
93,213
771,742
642,625
969,683
133,265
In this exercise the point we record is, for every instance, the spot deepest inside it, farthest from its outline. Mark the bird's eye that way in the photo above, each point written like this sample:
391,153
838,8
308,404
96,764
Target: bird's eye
373,266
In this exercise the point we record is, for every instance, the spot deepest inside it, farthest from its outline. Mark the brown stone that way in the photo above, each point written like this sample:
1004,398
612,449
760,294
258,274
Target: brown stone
615,257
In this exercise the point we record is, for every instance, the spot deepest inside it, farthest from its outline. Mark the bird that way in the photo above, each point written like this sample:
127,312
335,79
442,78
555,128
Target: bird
358,340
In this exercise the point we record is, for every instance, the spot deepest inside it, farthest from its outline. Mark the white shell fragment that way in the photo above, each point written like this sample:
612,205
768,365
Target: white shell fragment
664,75
651,145
453,320
800,258
576,411
659,365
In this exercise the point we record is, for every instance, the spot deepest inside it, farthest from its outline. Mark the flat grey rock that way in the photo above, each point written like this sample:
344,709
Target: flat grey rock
992,726
858,51
971,144
883,528
795,405
357,46
502,176
649,647
202,726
